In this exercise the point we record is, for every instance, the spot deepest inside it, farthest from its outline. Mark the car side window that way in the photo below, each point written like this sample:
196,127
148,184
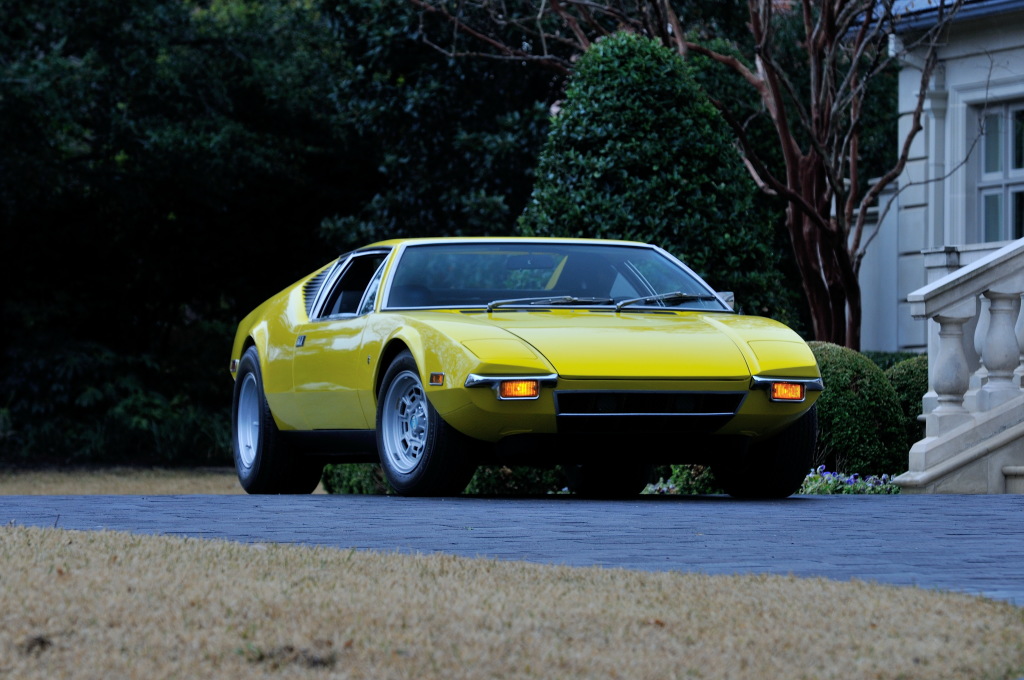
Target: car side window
348,289
370,296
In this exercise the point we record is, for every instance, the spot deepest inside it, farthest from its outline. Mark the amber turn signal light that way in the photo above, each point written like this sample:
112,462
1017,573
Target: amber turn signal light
783,391
519,389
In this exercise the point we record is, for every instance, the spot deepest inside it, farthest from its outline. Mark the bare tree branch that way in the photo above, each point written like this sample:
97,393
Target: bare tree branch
930,60
818,125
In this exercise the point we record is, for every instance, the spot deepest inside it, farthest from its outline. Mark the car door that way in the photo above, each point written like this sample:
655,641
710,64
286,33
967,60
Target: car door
329,371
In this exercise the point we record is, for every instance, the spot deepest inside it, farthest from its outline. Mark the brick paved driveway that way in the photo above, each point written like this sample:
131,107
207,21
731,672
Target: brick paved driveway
973,544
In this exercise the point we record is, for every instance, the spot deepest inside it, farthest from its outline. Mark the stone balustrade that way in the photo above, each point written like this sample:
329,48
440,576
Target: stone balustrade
974,410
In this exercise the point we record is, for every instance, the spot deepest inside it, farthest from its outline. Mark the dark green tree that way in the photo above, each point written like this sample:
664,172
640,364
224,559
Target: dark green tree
638,152
450,144
168,164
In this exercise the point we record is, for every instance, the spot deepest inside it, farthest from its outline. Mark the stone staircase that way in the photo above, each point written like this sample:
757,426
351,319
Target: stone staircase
974,409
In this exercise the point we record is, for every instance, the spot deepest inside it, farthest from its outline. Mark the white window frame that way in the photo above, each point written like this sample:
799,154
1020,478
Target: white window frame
1005,181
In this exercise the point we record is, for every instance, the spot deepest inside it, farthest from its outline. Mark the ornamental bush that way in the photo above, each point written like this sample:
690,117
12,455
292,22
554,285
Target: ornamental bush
489,480
354,478
638,152
516,480
694,479
860,422
910,380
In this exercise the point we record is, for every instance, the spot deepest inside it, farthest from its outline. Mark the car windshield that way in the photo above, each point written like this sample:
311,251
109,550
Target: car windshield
532,274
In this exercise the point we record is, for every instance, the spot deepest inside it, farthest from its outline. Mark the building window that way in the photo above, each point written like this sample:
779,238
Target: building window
1001,173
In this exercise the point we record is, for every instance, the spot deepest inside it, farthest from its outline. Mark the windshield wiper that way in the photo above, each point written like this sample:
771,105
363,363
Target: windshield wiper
675,297
552,300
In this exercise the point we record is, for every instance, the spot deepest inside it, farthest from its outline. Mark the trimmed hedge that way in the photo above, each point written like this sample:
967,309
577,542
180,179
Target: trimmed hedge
887,360
639,152
910,380
860,422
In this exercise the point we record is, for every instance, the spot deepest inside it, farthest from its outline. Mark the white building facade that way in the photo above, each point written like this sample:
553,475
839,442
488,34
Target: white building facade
962,194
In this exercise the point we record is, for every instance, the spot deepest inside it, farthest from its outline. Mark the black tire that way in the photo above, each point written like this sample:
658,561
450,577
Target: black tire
421,455
608,480
264,463
774,468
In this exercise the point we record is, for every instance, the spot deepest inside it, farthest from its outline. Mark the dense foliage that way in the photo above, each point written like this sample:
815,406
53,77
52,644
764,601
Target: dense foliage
694,479
860,424
638,152
910,380
355,478
167,164
489,480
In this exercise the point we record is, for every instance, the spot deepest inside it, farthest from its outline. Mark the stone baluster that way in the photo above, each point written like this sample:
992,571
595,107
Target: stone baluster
951,374
980,375
1001,352
1019,329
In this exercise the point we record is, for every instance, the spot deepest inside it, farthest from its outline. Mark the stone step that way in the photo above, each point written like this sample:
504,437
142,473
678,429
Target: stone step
1014,478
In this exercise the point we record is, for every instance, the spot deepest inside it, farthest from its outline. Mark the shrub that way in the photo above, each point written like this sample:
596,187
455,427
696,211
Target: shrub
860,424
489,480
354,478
910,380
697,479
83,403
694,479
639,152
504,480
887,360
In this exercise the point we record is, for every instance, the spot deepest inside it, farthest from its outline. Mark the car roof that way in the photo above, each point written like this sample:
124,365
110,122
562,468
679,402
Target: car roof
500,239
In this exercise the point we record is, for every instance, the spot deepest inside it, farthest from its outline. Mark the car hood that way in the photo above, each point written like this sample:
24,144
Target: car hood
630,345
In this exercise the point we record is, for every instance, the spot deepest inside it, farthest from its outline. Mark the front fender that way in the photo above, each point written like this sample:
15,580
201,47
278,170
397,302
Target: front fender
446,357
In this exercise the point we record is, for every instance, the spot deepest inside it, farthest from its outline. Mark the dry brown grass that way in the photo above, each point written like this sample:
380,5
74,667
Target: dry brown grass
115,605
120,481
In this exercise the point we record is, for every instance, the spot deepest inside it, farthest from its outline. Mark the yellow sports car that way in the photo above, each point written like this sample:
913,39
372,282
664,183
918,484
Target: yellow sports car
435,356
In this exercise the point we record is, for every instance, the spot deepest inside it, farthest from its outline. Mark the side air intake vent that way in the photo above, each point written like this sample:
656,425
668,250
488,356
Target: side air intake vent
311,288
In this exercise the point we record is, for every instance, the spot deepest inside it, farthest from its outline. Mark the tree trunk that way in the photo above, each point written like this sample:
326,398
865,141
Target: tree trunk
822,255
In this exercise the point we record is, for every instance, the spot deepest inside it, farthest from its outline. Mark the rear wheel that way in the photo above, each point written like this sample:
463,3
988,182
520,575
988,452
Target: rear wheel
775,468
264,463
421,455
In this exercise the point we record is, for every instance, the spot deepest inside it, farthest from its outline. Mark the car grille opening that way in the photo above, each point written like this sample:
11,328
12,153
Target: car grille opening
617,412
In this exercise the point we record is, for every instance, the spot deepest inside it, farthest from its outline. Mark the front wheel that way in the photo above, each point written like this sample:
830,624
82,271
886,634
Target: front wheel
262,460
421,455
775,468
